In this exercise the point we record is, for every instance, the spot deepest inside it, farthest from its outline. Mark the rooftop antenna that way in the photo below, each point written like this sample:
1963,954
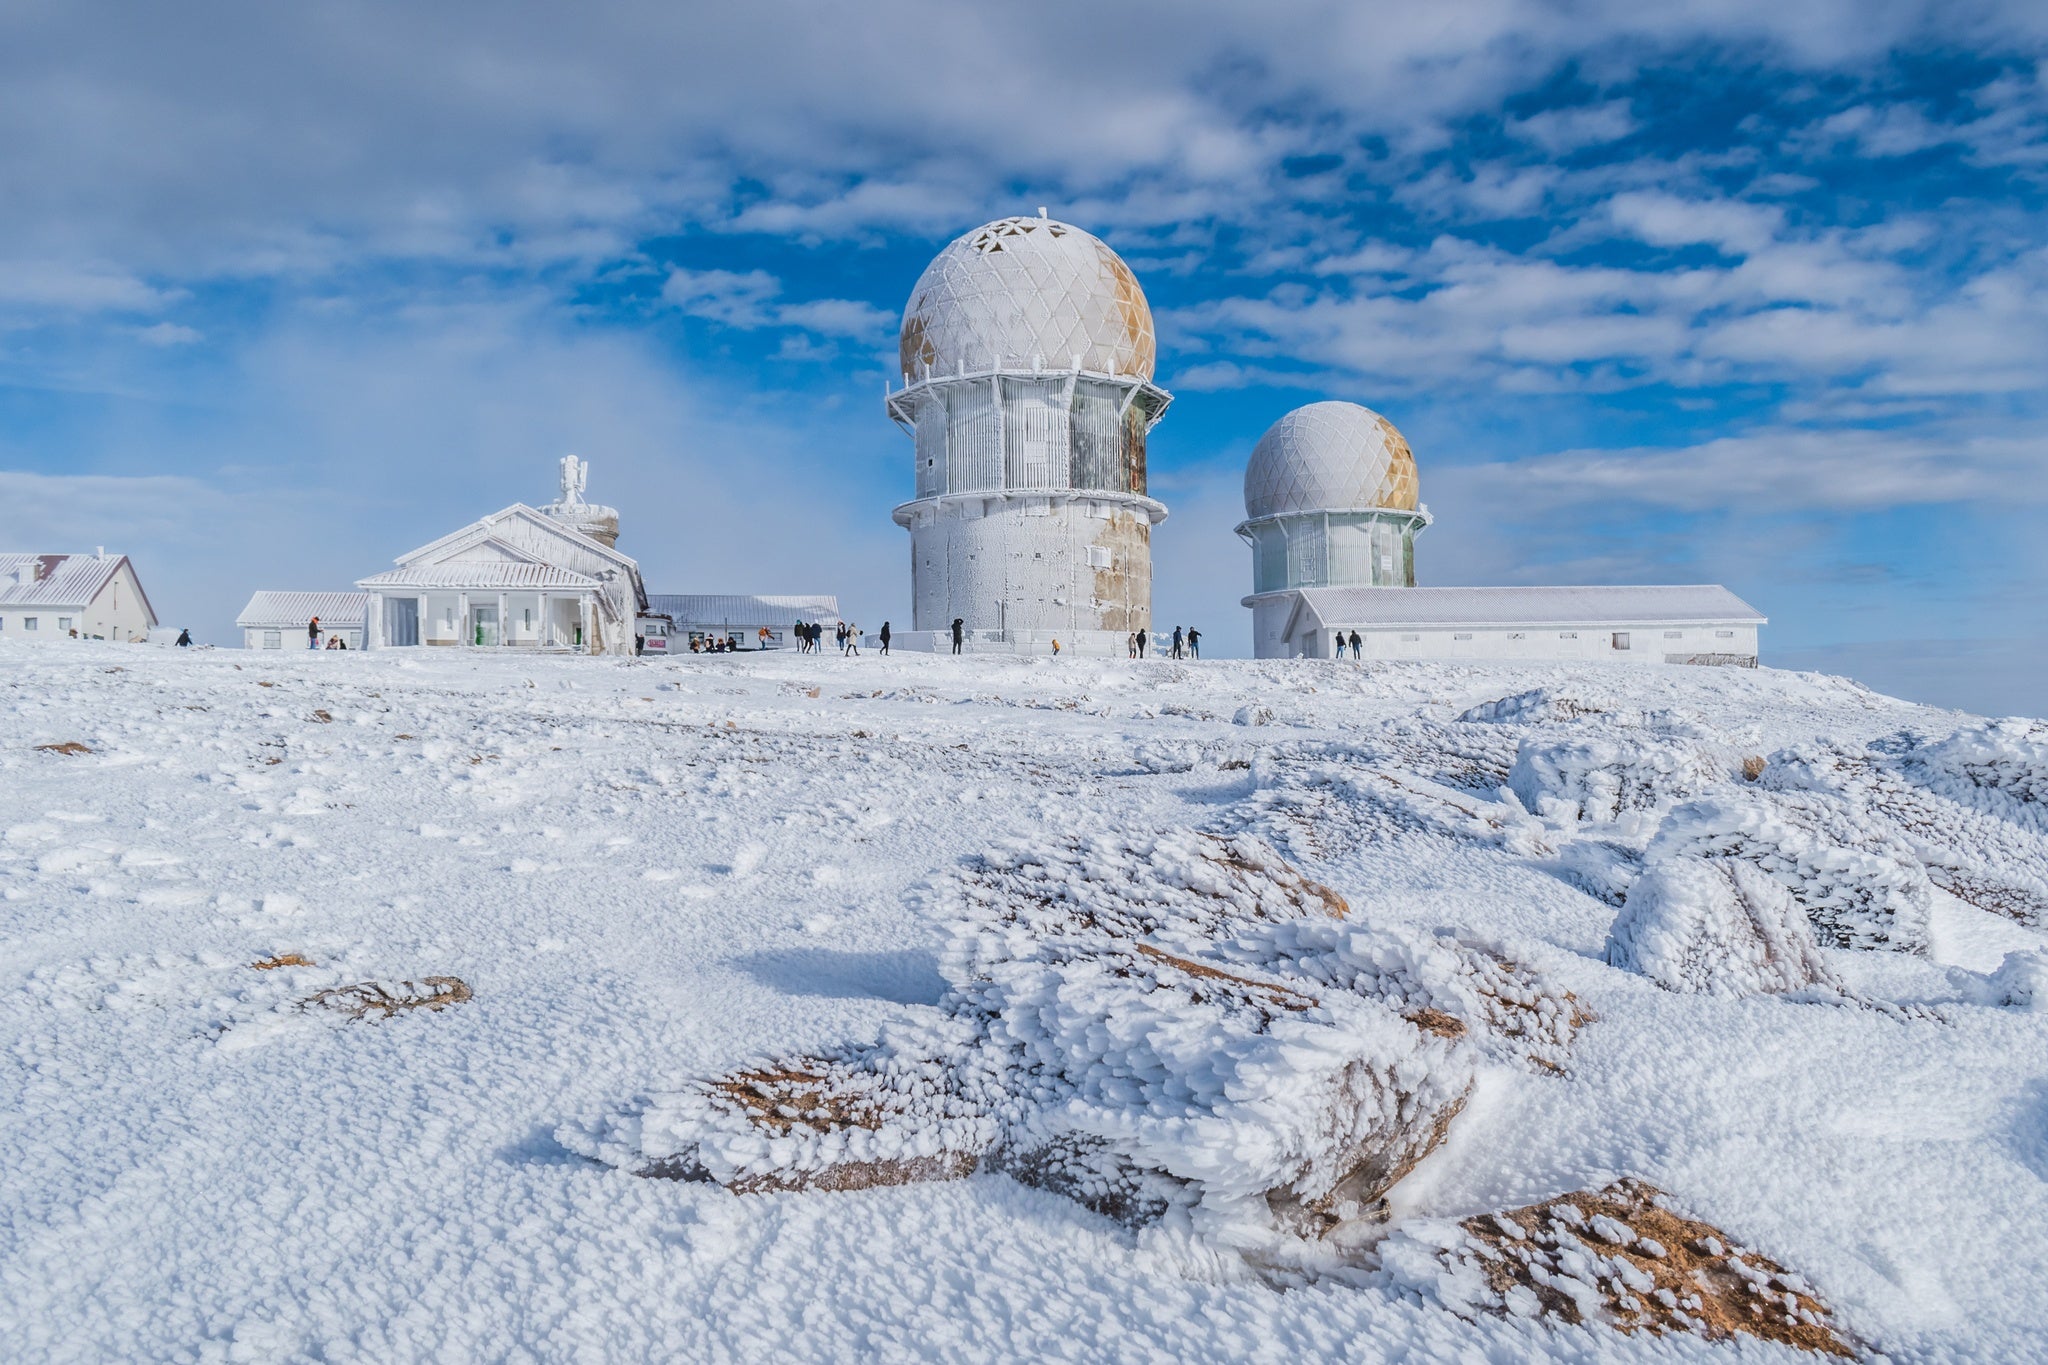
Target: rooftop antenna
1041,211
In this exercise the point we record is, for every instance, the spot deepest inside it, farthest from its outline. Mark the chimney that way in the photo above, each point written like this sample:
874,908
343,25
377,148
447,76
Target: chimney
100,550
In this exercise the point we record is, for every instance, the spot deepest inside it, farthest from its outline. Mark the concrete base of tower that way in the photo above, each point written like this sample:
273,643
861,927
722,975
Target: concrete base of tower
1089,644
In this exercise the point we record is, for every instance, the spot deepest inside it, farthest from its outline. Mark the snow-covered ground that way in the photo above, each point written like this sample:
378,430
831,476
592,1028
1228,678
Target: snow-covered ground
646,873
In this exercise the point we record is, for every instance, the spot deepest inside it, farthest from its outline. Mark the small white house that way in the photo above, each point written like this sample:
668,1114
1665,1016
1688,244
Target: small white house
519,578
1683,624
58,597
278,620
687,618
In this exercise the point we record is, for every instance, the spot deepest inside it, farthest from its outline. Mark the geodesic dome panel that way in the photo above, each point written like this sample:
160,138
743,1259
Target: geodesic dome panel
1330,455
1021,289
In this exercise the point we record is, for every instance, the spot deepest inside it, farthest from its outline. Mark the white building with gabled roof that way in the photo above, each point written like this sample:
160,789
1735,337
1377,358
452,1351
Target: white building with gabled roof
522,578
95,597
279,620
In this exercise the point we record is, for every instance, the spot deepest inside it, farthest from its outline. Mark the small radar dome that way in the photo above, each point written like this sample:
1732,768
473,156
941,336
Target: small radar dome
1327,457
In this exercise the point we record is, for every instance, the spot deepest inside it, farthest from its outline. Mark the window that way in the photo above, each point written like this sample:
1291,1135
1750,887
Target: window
1411,639
1516,635
1567,635
1674,635
63,623
1621,639
1724,635
273,639
1098,556
28,623
1461,637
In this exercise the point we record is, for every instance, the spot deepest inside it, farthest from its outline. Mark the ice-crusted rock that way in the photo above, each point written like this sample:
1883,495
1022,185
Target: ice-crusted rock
1968,851
1716,926
2021,981
1183,1021
1253,713
1603,778
2000,767
1621,1257
908,1108
1860,885
1539,706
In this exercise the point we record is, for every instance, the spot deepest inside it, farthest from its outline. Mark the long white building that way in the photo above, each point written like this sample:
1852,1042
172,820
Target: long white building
1333,504
1027,355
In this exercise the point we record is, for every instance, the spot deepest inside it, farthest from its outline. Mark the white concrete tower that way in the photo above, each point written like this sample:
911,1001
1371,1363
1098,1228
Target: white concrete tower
1027,355
1331,500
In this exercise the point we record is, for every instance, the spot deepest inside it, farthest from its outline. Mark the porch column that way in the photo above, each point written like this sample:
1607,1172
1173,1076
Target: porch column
463,634
542,639
373,636
420,630
504,623
583,619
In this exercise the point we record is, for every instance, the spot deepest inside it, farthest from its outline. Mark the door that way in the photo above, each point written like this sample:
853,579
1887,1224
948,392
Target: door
402,620
483,625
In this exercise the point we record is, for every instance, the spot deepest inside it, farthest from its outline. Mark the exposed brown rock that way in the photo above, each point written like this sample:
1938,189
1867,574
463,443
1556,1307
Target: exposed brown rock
382,999
1622,1256
69,746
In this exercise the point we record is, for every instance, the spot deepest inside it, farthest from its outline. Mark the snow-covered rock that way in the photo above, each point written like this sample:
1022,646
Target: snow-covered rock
1716,926
1620,1257
1859,885
1604,777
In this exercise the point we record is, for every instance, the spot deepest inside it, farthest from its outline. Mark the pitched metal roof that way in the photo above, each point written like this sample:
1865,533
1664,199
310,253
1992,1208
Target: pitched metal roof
481,528
492,576
712,609
267,609
1659,604
62,580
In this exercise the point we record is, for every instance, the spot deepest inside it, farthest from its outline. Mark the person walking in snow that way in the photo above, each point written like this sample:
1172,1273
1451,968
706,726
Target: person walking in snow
1176,642
852,640
1141,642
313,633
1354,646
184,638
957,623
1131,644
884,637
1194,643
839,637
1055,646
1340,644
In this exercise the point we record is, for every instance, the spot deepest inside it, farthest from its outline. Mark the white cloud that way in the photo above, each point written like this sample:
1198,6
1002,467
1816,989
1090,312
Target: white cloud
65,287
168,334
1562,131
748,300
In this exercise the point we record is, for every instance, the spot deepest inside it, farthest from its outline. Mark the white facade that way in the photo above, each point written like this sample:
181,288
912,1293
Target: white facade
60,597
1027,354
1697,624
740,618
518,578
278,620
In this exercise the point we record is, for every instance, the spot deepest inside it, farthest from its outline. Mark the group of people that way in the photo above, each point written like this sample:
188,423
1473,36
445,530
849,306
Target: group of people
1354,643
1187,643
312,637
712,644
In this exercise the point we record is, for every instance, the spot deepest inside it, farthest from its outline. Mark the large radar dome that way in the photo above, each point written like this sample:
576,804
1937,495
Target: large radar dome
1329,456
1023,292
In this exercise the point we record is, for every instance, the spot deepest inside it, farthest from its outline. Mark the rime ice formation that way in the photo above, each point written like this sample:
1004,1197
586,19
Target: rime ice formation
1716,926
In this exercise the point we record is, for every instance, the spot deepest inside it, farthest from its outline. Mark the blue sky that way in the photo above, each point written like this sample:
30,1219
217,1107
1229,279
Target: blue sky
1742,292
